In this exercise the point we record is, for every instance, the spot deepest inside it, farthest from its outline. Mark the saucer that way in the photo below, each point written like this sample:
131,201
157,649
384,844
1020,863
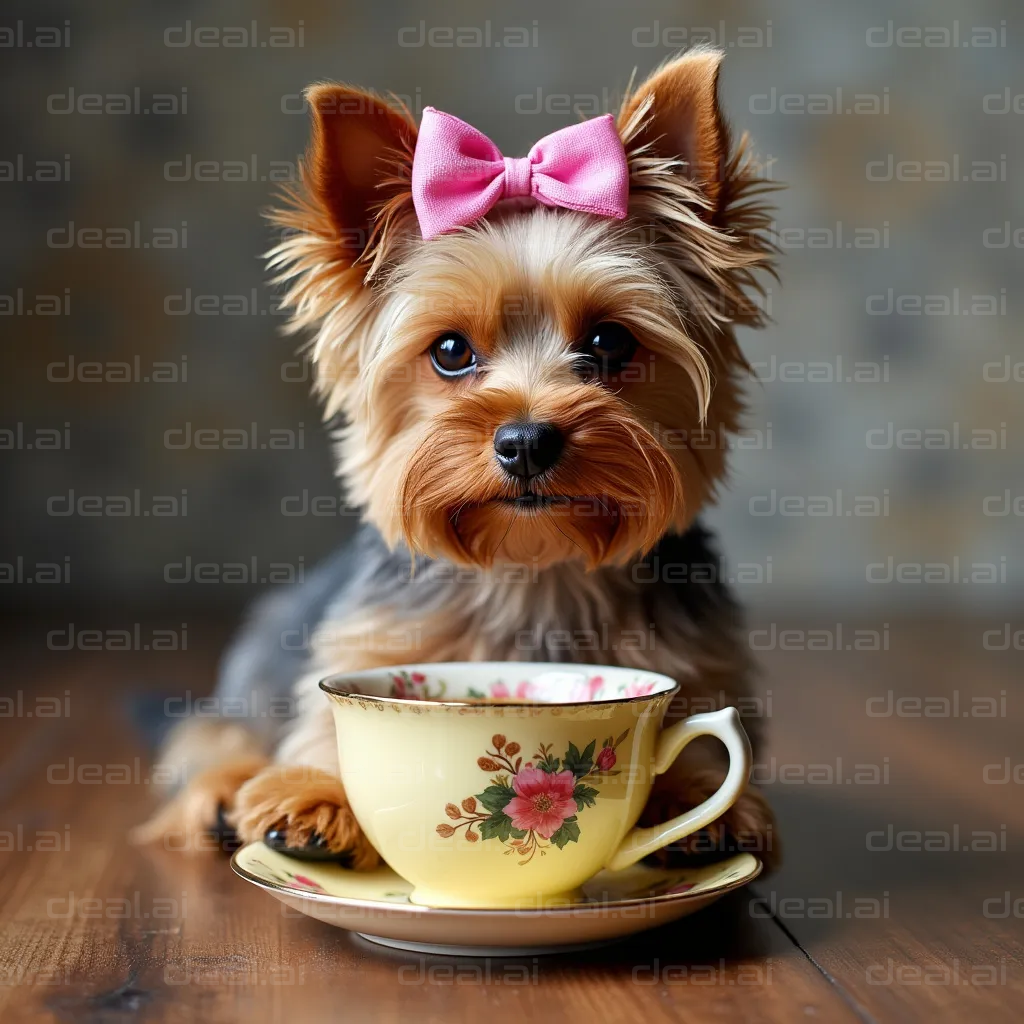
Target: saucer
375,904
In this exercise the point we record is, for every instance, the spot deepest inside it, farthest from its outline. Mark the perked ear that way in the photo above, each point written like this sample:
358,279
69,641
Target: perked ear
359,161
683,120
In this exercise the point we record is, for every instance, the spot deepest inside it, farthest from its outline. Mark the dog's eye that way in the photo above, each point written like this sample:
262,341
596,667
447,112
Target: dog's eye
452,356
608,346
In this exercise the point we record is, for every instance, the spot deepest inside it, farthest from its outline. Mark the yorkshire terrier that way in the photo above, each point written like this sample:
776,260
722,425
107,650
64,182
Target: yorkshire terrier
534,366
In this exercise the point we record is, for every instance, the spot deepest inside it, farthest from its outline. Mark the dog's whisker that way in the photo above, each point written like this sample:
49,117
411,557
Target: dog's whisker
497,547
569,539
458,512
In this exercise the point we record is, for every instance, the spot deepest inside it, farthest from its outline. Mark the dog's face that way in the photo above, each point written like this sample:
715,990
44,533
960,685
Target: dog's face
542,385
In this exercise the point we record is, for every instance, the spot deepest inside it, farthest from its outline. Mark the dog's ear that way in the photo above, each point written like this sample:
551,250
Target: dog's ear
359,161
681,118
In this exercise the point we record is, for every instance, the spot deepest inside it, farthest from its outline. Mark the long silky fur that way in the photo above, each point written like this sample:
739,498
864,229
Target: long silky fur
431,577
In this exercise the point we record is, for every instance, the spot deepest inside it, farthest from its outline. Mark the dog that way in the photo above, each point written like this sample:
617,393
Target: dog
534,368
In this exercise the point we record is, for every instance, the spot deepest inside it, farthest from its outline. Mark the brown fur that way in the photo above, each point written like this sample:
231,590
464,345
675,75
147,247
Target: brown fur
644,453
398,446
185,818
302,801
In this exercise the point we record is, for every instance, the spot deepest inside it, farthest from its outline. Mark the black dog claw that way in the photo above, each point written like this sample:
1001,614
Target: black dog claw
316,849
225,835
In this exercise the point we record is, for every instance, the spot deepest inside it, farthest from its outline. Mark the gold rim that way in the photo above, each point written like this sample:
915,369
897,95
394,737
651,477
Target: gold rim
572,909
325,685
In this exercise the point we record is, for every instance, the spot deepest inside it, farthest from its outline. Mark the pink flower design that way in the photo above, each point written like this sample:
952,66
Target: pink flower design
413,686
606,759
542,802
638,689
586,690
523,690
302,882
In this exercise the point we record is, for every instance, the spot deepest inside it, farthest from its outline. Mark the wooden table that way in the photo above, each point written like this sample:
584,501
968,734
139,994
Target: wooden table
870,919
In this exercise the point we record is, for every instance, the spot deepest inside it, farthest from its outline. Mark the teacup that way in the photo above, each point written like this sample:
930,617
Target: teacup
507,784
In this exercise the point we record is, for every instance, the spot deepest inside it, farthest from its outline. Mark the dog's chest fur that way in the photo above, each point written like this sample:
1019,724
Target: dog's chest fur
670,612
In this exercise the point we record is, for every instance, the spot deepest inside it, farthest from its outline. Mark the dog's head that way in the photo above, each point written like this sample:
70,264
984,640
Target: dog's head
540,385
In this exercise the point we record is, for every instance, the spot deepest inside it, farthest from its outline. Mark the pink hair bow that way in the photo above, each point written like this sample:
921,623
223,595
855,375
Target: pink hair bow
458,174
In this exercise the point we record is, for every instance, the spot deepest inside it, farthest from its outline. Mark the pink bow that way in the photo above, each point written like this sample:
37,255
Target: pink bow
458,174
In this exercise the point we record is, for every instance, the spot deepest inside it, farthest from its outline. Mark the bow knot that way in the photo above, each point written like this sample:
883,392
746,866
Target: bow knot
518,176
458,174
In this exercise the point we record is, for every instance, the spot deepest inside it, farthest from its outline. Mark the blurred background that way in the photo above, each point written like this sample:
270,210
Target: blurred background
162,461
141,140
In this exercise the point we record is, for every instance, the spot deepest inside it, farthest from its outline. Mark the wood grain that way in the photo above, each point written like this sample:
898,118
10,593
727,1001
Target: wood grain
904,931
97,931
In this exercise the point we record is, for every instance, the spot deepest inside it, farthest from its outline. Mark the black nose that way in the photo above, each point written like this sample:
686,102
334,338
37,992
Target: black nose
527,449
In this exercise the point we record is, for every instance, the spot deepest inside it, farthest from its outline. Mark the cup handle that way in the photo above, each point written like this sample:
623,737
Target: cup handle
724,724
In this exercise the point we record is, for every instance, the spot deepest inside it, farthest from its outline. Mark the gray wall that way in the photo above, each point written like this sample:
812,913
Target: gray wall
891,277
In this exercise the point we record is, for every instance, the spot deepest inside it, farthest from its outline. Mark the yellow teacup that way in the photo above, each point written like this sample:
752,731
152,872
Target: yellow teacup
506,784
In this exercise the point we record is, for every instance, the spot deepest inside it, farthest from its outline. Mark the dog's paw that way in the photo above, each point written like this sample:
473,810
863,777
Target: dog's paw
197,810
747,827
303,811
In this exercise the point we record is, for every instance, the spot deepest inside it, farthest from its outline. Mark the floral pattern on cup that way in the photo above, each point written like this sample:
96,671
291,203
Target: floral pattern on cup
292,878
500,691
637,689
587,690
531,807
416,686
